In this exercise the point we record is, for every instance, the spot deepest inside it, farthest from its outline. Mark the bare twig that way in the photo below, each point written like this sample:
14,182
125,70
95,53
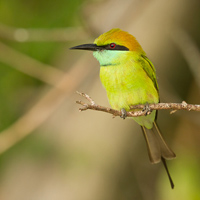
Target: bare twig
93,106
170,106
142,111
87,97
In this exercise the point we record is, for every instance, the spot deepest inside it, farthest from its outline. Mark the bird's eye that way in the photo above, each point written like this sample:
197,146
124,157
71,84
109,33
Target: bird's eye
112,45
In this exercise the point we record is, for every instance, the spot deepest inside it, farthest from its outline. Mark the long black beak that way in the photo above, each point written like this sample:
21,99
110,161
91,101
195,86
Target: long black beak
90,47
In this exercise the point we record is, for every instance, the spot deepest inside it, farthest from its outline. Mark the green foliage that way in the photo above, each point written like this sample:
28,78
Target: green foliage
15,87
35,14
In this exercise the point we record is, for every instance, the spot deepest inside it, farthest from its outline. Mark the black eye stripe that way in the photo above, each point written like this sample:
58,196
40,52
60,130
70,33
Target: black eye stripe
117,47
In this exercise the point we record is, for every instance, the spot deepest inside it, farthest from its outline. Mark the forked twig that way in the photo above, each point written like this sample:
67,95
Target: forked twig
142,111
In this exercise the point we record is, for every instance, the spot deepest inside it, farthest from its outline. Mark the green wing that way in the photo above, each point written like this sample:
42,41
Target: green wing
150,70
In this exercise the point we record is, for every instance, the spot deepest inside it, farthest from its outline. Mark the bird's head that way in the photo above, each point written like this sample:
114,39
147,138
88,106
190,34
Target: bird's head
111,47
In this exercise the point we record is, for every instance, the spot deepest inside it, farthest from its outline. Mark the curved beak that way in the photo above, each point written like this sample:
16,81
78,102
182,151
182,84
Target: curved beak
90,47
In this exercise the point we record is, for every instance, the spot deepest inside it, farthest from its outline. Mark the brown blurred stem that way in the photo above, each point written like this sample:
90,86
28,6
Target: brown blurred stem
46,105
159,106
42,35
189,50
30,66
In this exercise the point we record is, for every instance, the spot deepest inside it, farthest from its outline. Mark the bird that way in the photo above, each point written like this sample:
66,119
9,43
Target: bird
129,78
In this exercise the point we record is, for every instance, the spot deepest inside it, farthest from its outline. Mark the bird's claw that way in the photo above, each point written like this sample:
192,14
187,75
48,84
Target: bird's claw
147,109
124,113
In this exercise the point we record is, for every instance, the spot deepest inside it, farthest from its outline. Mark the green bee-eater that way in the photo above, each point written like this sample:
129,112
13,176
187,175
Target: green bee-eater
129,79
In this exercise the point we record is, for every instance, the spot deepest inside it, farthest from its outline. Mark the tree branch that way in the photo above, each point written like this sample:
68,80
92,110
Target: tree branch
42,35
142,108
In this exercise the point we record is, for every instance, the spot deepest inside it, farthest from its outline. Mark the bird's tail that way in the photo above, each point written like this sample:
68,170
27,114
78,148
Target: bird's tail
157,147
158,150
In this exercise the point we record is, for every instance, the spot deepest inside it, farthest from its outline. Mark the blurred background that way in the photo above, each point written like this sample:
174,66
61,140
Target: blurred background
48,149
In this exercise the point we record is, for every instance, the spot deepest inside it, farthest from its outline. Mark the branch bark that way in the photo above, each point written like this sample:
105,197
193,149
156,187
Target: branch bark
142,108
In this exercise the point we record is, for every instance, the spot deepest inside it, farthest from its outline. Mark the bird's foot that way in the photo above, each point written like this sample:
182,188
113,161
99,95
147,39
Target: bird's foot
147,109
124,113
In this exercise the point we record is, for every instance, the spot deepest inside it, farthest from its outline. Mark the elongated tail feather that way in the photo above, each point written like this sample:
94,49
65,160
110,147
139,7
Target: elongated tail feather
158,150
168,174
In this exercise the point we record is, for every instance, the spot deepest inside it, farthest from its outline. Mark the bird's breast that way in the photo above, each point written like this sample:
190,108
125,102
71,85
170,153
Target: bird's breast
127,85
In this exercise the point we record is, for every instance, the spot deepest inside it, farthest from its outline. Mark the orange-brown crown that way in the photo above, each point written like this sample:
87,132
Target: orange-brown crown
119,37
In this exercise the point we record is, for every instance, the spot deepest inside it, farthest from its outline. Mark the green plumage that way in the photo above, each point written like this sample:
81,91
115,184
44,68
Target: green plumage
129,79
